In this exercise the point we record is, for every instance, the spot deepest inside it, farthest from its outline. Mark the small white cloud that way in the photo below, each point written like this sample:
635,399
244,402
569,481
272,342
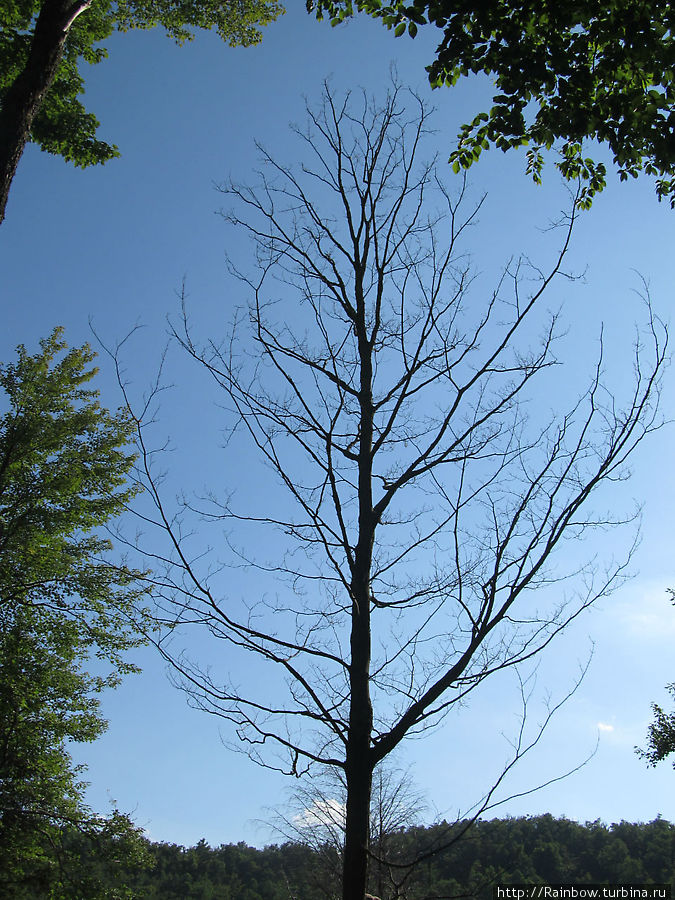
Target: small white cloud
604,726
329,813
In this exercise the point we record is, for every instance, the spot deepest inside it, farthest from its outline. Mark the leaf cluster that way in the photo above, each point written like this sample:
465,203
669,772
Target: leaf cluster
65,609
563,73
64,464
661,732
63,126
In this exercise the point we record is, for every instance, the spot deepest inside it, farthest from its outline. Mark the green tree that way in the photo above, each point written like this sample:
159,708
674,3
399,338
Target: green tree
661,733
63,470
563,73
42,43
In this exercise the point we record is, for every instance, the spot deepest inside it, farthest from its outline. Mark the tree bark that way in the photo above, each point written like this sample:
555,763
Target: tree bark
358,761
358,765
24,97
357,824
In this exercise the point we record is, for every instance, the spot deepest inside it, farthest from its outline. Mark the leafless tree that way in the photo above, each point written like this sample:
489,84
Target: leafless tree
419,507
314,816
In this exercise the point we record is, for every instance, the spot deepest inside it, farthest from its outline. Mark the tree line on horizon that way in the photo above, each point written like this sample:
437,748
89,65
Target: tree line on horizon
535,850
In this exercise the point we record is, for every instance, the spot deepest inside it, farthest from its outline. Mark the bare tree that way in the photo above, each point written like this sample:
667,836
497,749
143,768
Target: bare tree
314,816
418,510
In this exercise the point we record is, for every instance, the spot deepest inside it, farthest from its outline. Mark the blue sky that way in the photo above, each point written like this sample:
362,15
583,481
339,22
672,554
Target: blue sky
113,244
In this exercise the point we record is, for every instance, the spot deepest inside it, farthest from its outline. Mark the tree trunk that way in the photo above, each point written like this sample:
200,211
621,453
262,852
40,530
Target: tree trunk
358,764
358,761
24,97
357,825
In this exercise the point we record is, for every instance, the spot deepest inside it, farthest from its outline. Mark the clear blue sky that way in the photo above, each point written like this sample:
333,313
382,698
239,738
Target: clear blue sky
113,244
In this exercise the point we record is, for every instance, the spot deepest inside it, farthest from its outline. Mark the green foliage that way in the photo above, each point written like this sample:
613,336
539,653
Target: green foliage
661,733
62,125
229,872
535,850
63,469
563,73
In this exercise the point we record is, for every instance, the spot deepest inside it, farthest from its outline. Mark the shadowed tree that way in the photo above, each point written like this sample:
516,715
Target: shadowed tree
563,73
43,43
415,512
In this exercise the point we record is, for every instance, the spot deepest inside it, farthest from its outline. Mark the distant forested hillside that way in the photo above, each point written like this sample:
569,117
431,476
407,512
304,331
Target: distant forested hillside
539,850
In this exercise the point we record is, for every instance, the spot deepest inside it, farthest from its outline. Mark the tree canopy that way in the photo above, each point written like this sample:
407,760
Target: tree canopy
661,732
63,468
43,42
64,464
563,72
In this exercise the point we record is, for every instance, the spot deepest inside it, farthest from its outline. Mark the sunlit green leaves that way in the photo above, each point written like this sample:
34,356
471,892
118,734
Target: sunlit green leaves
64,464
63,468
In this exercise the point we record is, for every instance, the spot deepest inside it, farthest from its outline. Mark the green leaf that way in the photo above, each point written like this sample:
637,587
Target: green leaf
62,126
562,73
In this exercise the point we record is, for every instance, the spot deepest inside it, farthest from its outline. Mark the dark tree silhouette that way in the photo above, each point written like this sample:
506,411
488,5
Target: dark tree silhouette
418,510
